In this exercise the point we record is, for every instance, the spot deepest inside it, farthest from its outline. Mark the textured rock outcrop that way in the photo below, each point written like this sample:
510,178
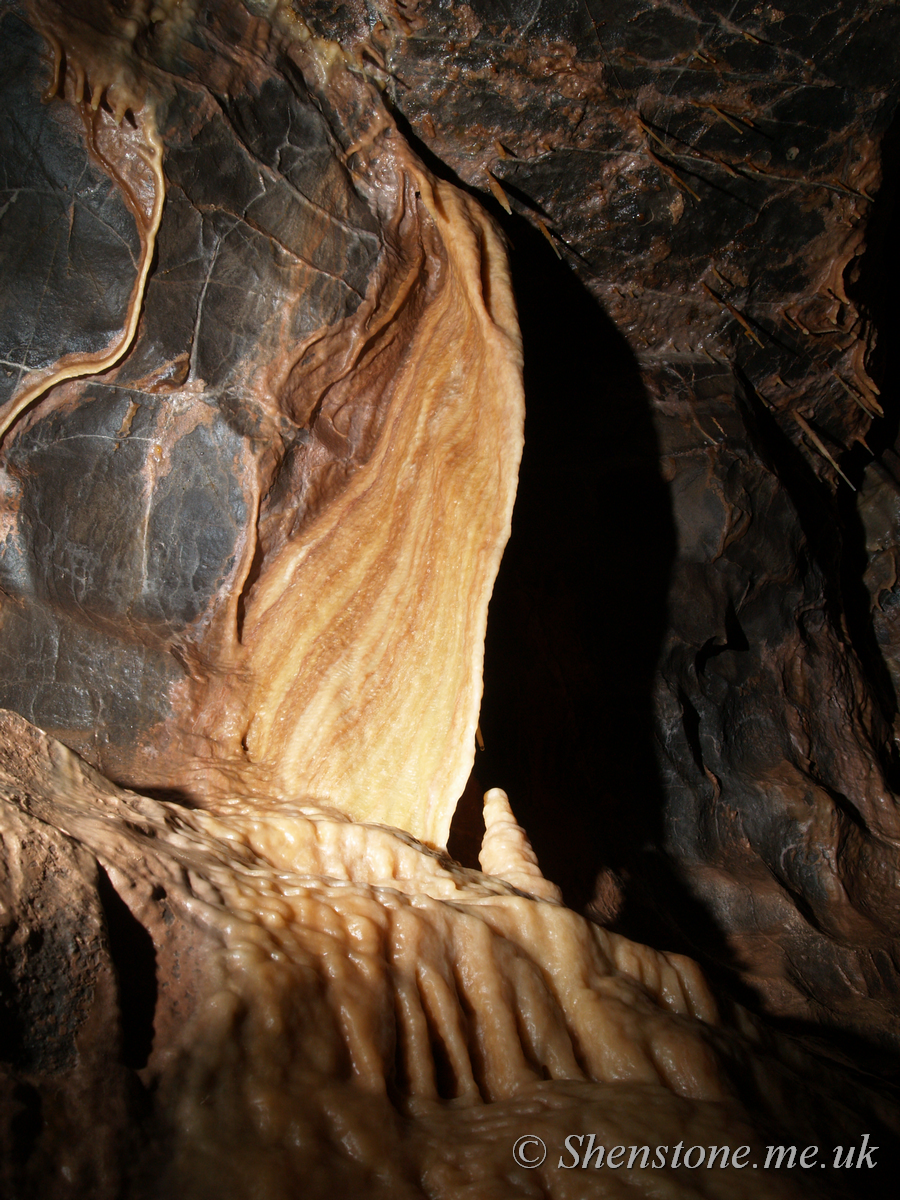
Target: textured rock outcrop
684,640
261,391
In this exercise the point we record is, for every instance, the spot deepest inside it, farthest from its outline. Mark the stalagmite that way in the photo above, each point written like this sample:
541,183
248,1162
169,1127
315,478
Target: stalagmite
253,506
339,1008
506,851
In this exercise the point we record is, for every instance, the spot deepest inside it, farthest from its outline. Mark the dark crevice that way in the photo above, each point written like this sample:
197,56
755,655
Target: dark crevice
134,960
575,627
467,825
690,723
167,795
873,287
735,639
253,573
26,1122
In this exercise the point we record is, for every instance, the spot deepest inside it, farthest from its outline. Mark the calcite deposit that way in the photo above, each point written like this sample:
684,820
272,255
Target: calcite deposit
269,565
328,1006
695,633
261,410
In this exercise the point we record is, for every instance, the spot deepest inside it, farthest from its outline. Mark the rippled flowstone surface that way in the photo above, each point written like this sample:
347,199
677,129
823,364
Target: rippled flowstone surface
260,424
266,999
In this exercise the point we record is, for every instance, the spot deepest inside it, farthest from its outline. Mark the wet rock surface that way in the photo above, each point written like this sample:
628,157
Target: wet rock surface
719,183
693,651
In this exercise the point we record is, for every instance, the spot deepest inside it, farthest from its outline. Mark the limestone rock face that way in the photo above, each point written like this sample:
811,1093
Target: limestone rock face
690,638
276,516
261,383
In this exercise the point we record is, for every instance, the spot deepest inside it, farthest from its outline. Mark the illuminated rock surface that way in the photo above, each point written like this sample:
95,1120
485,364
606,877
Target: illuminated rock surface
272,999
261,413
266,563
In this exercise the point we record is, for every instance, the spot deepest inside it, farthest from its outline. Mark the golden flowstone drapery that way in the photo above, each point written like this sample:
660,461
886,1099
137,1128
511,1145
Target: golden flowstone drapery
341,1009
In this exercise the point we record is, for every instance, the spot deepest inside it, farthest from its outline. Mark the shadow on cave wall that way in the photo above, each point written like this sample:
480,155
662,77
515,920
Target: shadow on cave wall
873,288
578,614
579,609
577,621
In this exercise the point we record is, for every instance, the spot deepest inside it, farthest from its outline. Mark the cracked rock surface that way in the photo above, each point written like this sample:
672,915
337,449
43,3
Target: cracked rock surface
685,638
260,402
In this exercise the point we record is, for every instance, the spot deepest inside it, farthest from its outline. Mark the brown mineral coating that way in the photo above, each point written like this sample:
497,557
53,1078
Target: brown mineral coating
380,467
682,181
694,177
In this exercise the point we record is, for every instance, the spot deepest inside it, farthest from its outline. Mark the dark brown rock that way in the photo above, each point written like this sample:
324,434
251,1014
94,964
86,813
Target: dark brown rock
68,1104
681,609
691,671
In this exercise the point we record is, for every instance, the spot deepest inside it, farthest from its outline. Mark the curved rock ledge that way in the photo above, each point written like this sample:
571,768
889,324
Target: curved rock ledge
261,383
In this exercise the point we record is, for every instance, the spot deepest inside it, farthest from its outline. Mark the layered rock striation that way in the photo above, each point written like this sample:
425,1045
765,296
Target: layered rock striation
260,428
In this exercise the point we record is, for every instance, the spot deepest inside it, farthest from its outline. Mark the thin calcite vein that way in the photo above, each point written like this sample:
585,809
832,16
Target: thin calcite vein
131,154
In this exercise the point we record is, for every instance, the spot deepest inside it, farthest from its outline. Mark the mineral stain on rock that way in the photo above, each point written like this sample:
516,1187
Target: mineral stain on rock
261,426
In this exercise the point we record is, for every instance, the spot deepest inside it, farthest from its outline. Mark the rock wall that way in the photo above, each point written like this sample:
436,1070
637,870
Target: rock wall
690,644
283,280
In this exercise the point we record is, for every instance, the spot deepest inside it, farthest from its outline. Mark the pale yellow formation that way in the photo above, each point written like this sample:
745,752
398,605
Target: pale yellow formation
506,850
374,1021
357,683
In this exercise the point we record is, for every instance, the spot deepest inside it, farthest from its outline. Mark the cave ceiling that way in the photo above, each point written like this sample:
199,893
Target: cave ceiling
263,361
